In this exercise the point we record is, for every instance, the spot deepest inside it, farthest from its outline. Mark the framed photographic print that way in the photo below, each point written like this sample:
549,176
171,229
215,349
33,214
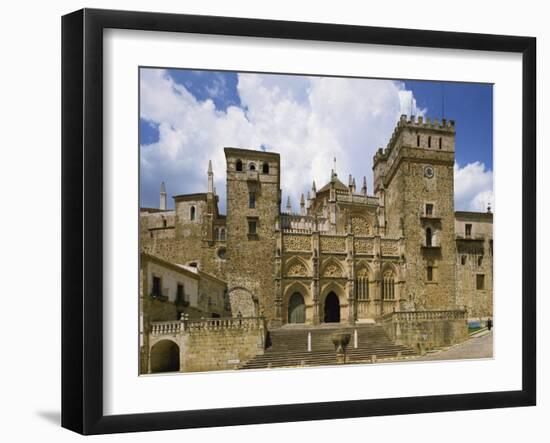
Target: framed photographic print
297,219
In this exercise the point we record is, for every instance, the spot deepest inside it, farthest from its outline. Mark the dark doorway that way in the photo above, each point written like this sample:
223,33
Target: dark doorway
165,357
332,308
296,309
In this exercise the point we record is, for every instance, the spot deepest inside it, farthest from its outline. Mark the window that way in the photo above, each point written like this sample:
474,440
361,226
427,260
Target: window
156,291
252,225
221,234
491,247
163,222
388,286
265,168
239,165
192,213
430,273
480,260
252,167
440,143
362,288
222,253
429,209
480,282
430,141
417,140
251,199
428,236
180,294
468,230
194,264
463,260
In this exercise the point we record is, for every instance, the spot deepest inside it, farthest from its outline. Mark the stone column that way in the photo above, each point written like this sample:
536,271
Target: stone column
315,283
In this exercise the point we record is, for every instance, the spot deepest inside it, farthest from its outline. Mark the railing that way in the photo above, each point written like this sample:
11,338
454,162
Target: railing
296,231
425,315
166,327
206,324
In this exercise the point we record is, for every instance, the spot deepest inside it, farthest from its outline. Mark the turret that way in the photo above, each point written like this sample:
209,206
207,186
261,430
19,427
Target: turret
288,205
210,178
302,205
364,187
162,197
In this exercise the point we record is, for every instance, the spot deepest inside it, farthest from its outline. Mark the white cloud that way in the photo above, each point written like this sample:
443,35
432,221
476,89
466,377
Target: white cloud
308,120
473,187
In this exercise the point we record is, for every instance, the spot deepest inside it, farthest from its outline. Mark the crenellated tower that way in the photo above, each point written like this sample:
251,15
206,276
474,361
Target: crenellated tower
414,180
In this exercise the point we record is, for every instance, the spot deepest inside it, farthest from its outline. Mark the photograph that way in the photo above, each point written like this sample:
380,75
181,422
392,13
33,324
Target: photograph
293,220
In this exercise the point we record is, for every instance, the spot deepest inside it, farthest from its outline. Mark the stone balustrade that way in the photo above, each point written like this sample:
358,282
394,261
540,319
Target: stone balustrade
425,315
206,324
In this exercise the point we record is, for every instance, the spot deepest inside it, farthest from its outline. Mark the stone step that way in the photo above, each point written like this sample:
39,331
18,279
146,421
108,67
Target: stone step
289,347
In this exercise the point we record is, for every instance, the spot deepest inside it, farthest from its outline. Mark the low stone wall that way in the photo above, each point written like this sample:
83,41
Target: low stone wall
424,330
213,344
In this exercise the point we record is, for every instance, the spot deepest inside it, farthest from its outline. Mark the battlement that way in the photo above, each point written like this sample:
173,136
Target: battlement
420,122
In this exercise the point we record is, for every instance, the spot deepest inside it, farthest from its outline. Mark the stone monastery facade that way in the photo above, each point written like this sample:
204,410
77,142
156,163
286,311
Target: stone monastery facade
351,255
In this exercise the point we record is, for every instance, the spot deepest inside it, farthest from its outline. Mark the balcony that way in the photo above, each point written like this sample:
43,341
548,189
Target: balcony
252,176
464,237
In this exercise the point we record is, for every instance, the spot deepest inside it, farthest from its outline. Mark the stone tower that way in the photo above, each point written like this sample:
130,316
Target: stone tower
414,180
253,209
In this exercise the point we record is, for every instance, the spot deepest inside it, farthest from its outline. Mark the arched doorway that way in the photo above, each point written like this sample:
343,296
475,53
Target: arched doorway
332,308
165,356
296,308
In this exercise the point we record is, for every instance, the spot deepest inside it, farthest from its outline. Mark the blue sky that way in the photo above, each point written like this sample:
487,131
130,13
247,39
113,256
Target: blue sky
187,117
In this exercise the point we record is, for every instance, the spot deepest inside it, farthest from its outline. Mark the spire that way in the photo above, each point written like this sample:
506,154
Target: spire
288,205
489,208
162,205
353,186
302,205
313,188
364,188
210,178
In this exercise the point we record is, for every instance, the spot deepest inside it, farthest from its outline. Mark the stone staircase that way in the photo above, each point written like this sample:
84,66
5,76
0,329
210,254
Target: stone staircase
289,346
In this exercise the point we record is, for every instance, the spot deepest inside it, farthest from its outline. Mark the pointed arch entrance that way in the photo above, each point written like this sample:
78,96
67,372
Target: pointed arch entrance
296,308
332,308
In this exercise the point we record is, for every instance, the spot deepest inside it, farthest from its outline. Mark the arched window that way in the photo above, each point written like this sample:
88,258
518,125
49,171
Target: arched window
362,288
265,168
388,286
428,236
239,165
430,141
192,213
440,142
480,260
417,140
252,167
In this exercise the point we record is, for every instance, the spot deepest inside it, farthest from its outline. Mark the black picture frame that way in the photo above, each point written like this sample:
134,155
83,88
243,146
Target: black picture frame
82,218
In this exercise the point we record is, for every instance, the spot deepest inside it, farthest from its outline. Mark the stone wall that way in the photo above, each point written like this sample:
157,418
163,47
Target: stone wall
425,330
474,256
216,350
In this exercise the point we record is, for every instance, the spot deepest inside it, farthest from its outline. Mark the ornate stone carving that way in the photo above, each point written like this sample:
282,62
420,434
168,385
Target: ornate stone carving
390,247
363,246
362,272
360,226
332,270
297,270
333,244
297,242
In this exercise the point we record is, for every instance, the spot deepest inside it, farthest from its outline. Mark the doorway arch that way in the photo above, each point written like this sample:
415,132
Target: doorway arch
332,308
165,357
296,308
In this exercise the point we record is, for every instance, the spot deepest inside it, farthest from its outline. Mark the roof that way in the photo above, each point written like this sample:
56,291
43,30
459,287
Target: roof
173,266
191,197
337,184
471,215
250,152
